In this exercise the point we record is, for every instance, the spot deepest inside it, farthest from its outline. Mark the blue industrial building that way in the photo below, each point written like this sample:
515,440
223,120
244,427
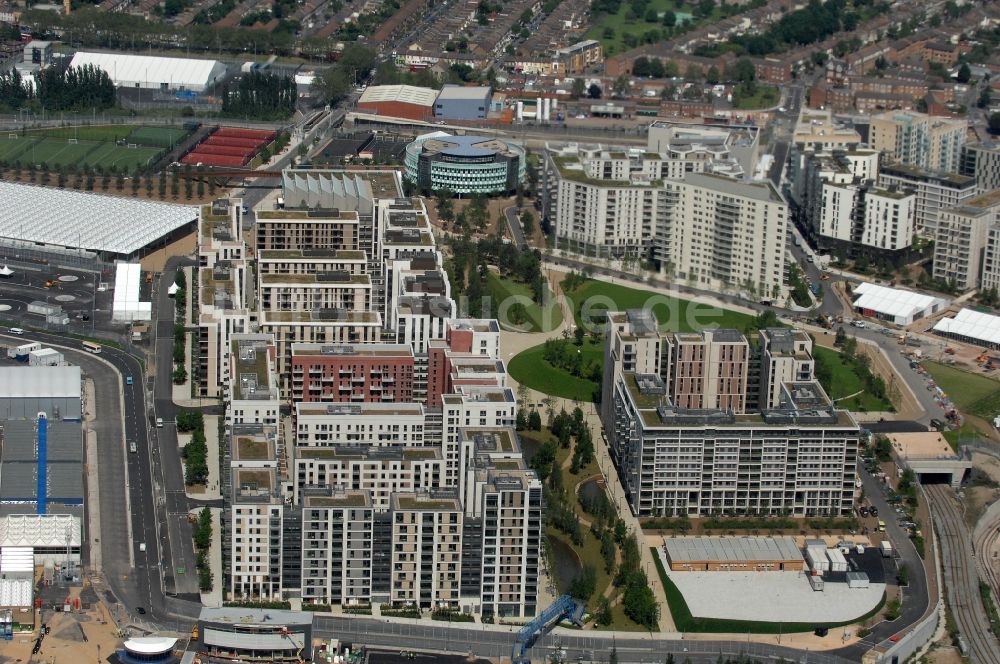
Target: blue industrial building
457,102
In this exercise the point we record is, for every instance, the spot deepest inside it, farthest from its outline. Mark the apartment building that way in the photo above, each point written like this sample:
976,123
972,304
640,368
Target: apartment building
222,290
963,241
917,139
256,527
471,406
786,357
932,192
252,382
720,232
991,260
360,424
579,57
816,133
427,549
378,471
610,202
337,538
862,218
352,373
982,161
683,447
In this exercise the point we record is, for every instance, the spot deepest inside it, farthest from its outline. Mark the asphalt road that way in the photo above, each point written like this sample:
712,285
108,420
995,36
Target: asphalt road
961,575
586,645
126,488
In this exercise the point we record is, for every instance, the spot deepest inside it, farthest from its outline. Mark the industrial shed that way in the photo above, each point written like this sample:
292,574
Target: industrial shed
127,306
27,391
733,554
40,218
971,327
457,102
398,101
154,73
895,305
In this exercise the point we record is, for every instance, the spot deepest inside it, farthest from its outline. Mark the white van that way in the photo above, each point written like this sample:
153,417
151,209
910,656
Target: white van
131,447
159,422
16,330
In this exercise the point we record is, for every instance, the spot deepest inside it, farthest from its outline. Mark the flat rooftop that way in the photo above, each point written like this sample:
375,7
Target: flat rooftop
343,499
248,447
358,409
353,350
346,255
732,549
928,445
405,501
321,317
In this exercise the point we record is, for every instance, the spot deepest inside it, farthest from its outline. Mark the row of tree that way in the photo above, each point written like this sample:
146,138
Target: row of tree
76,88
261,96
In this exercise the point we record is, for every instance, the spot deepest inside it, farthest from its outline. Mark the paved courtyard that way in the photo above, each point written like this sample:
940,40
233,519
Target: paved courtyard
777,597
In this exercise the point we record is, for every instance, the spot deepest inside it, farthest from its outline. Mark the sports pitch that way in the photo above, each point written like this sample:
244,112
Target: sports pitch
63,152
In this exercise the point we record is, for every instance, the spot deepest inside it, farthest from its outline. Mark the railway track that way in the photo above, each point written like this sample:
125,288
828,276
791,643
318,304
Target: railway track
962,576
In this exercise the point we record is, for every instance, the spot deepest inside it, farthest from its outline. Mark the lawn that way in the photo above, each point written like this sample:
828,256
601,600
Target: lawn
96,133
622,25
971,393
129,159
11,148
539,319
596,298
54,152
765,96
157,137
844,382
530,368
685,622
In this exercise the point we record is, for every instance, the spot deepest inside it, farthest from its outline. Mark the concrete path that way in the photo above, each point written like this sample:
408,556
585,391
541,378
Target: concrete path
213,598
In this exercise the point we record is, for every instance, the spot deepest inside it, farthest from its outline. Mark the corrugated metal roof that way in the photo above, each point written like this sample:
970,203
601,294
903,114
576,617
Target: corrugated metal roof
85,220
732,549
464,93
45,530
406,94
39,382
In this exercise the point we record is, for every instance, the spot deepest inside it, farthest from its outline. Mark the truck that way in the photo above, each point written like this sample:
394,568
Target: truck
886,548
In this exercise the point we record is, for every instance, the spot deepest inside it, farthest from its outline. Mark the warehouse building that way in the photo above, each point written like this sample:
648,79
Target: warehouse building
733,554
457,102
27,391
41,222
971,327
464,164
398,101
147,72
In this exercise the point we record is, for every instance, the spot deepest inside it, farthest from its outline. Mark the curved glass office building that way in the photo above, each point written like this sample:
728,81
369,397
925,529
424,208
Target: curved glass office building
464,164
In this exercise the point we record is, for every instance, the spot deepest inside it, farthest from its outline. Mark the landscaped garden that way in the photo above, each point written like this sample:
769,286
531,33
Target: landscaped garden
848,380
525,313
573,367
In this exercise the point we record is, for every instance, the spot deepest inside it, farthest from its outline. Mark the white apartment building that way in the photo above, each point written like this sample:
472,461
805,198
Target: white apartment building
919,140
861,214
252,383
221,292
962,250
379,472
609,202
471,406
720,232
816,133
255,525
319,424
933,192
991,260
786,357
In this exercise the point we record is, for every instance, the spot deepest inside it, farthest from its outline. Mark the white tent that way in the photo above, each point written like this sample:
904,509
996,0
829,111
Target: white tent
895,305
6,271
972,327
152,72
127,307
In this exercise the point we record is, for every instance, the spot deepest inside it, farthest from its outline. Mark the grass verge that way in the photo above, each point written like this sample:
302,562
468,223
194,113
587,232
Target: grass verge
538,318
971,393
844,382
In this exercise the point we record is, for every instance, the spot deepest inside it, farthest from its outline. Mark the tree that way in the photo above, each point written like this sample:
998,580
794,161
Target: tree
604,616
712,77
669,19
622,85
331,86
534,421
579,88
584,584
964,73
595,92
994,123
743,71
984,98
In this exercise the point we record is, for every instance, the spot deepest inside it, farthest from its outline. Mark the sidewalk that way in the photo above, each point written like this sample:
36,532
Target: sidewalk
93,480
213,598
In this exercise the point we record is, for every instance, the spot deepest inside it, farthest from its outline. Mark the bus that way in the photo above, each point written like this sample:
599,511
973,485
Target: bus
91,347
881,526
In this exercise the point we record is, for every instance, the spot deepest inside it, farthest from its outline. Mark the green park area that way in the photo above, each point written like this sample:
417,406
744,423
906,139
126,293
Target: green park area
849,382
971,393
526,314
621,25
572,367
590,553
759,96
